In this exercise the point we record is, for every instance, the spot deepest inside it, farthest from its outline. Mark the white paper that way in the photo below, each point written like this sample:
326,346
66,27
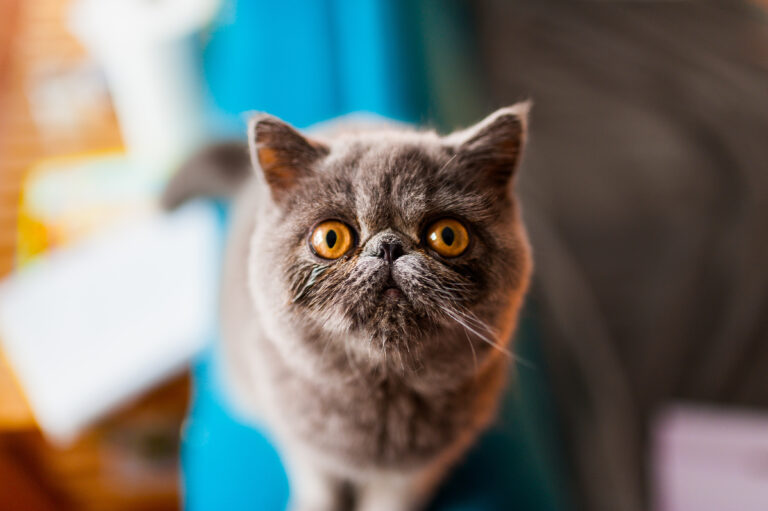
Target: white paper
93,325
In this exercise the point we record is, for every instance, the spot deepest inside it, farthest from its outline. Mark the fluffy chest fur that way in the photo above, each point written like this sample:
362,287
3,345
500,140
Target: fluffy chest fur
368,420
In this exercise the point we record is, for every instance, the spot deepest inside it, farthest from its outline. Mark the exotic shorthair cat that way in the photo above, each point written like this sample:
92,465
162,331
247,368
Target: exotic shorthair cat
371,286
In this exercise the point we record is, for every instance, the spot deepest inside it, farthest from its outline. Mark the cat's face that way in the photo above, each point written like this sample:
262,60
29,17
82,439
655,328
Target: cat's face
402,243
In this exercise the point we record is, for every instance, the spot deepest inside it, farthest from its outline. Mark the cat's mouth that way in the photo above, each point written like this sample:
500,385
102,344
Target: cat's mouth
391,290
393,293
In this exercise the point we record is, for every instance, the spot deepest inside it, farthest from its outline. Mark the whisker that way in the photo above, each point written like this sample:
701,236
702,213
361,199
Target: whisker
450,160
493,332
316,272
483,337
466,316
471,346
469,316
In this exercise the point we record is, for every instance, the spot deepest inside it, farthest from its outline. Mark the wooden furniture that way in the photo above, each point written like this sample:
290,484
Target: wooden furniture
129,460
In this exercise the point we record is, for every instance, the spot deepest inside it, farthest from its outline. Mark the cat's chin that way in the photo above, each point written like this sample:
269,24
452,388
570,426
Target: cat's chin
396,325
390,317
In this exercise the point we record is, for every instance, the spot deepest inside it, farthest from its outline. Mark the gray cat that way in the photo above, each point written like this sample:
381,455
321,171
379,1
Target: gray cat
371,284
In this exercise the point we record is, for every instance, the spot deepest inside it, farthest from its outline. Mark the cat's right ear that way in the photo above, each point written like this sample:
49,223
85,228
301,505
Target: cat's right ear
281,154
491,149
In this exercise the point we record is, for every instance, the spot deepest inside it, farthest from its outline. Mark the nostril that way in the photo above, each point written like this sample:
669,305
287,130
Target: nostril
396,251
390,251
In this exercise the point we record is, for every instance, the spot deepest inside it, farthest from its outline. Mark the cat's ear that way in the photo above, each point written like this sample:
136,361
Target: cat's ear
492,148
281,153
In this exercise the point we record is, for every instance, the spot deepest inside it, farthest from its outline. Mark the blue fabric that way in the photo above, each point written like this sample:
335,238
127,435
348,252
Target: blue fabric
227,465
275,56
310,60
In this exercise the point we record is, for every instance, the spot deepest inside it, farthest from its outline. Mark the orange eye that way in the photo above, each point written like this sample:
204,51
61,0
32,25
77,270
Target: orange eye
448,237
331,239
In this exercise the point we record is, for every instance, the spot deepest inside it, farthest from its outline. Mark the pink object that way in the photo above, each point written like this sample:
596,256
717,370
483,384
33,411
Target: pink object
710,459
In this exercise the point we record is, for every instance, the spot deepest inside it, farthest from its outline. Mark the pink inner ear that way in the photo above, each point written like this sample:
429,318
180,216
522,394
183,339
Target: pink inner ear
267,157
279,174
282,153
494,150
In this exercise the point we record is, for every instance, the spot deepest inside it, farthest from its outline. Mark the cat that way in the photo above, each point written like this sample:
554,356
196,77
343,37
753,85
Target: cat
371,285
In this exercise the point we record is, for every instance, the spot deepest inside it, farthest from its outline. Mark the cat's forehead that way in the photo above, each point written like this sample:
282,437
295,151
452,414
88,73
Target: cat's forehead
386,152
393,182
391,179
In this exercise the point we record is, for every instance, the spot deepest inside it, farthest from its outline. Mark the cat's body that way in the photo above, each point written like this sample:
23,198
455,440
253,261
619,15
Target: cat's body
373,371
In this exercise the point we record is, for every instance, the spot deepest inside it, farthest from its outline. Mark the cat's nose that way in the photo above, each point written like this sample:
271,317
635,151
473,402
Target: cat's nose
390,250
387,245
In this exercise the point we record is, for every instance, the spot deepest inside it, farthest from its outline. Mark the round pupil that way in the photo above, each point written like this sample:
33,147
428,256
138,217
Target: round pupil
448,236
330,238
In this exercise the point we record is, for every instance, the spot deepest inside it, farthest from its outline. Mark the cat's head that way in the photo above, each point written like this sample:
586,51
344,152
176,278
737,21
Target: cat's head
400,246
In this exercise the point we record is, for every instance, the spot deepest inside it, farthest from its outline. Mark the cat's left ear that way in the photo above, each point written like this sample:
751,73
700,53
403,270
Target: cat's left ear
493,147
282,154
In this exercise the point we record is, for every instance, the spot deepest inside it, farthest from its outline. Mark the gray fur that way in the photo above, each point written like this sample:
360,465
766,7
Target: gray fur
217,171
360,390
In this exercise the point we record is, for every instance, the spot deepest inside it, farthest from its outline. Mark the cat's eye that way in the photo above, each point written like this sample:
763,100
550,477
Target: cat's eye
331,239
448,237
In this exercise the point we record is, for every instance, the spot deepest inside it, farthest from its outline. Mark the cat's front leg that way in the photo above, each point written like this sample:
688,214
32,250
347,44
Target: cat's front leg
311,487
396,491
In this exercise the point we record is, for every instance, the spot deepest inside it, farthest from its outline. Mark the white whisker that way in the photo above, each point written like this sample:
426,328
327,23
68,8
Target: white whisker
450,160
463,318
472,347
460,320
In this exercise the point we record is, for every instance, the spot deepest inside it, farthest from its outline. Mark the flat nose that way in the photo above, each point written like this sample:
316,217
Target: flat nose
390,250
388,246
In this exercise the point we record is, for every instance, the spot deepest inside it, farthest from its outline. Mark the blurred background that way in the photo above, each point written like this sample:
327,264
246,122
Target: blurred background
645,190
